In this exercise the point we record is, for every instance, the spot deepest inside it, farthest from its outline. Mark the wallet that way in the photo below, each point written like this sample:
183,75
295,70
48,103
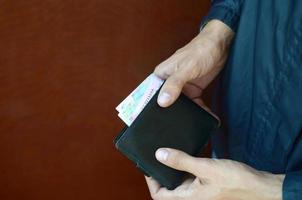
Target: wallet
184,126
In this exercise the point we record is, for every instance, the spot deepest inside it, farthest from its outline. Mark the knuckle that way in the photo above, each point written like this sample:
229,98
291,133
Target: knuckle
158,68
177,81
162,71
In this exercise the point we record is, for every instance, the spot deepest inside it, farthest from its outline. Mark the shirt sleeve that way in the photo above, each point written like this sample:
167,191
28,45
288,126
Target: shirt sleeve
227,11
292,186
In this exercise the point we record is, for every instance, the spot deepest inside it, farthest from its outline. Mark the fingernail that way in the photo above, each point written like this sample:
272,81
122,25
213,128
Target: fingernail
162,155
164,98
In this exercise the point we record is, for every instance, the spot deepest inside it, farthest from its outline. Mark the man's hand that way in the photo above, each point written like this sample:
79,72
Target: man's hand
194,66
215,180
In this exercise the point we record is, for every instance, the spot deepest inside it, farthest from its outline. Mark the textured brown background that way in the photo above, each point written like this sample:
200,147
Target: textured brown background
64,66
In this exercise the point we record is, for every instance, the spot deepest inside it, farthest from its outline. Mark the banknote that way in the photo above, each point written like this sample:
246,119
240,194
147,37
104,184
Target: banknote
132,106
136,93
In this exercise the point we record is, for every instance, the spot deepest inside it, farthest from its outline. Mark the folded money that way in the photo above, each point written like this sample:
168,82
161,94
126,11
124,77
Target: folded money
133,105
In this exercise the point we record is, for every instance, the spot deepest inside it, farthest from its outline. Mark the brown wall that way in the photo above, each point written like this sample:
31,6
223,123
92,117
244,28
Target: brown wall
64,66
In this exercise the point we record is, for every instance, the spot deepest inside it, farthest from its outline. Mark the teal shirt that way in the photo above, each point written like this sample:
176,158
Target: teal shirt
259,95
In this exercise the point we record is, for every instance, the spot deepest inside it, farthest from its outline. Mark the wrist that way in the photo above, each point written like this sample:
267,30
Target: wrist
215,38
218,33
269,186
273,185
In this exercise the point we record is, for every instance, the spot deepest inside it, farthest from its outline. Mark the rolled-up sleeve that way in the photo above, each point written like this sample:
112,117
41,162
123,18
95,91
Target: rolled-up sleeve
227,11
292,186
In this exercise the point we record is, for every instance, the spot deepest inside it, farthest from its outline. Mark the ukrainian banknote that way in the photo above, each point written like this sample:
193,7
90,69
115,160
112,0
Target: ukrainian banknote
132,106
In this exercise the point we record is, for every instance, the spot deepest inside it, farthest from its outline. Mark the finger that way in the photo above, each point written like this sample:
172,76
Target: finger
165,194
166,68
192,91
201,103
186,184
171,89
181,192
158,192
153,185
178,160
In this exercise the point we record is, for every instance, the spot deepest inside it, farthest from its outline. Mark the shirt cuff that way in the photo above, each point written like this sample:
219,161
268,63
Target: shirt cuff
292,186
224,14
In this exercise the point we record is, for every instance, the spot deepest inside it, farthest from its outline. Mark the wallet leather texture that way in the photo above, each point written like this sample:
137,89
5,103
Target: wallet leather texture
184,126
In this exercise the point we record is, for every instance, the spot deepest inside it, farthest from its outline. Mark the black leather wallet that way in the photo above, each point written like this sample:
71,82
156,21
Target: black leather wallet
184,126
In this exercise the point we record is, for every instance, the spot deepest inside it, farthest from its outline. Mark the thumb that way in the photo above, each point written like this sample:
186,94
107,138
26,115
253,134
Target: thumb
171,89
177,160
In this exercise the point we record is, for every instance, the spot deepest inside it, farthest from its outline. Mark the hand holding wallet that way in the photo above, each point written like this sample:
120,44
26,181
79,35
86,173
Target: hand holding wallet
184,126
